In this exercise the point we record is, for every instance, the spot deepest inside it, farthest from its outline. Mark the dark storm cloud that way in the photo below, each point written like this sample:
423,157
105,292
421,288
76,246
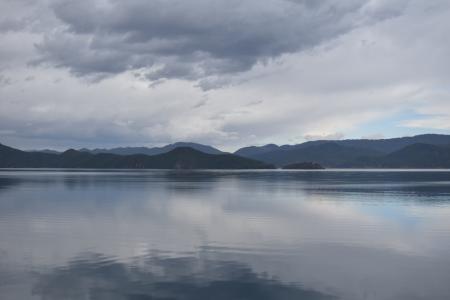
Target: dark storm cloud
321,66
11,25
190,39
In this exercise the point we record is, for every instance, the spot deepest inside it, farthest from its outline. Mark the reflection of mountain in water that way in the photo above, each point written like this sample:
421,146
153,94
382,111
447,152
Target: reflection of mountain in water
94,276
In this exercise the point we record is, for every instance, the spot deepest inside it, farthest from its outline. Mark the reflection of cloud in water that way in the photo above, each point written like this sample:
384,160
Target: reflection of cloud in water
94,276
381,234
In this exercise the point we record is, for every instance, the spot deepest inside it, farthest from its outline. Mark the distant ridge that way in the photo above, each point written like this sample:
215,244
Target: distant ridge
46,151
381,145
421,151
178,158
328,154
155,150
255,150
394,144
412,156
341,153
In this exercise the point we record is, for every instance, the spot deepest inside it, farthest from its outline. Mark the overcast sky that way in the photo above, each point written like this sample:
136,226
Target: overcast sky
230,73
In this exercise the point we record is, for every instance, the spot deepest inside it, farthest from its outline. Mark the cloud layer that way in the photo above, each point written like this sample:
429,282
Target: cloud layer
230,73
189,39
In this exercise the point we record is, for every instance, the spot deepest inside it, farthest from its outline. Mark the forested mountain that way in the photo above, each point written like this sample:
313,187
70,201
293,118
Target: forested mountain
154,150
341,153
422,151
412,156
328,154
178,158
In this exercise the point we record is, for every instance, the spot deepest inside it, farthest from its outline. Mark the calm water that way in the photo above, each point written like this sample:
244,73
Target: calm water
224,235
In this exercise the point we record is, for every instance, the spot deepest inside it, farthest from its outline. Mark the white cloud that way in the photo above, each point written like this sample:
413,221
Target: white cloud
387,59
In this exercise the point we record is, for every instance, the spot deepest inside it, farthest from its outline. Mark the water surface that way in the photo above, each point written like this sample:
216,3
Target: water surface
93,234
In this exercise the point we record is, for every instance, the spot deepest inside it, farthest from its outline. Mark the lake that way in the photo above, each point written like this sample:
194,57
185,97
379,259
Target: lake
333,234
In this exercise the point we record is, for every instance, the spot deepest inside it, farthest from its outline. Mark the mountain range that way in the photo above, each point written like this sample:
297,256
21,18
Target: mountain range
421,151
178,158
407,152
154,150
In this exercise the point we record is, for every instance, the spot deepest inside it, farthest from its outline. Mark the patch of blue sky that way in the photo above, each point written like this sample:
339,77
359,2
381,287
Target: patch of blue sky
393,126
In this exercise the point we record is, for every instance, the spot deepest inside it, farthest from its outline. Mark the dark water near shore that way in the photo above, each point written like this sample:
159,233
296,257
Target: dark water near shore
224,235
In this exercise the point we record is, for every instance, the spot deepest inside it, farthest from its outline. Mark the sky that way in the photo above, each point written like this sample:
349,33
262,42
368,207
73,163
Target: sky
228,73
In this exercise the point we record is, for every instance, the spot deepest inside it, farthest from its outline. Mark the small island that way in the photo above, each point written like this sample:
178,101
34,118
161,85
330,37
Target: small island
303,166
